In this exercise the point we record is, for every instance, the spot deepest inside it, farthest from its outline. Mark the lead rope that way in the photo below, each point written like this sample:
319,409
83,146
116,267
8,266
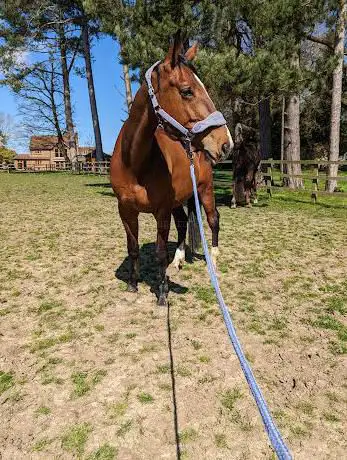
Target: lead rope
274,435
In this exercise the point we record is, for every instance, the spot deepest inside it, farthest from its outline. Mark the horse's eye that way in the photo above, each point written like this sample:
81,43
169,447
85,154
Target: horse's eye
186,92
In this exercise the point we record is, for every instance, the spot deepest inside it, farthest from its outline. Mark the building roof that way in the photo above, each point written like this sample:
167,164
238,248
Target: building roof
45,142
85,150
28,156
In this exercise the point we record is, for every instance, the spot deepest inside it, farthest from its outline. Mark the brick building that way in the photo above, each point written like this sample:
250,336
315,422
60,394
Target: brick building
45,154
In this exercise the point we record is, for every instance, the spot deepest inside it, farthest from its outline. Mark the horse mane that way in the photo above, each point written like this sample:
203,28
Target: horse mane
182,60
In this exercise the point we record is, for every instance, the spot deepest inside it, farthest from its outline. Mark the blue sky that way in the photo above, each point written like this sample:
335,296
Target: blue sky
109,88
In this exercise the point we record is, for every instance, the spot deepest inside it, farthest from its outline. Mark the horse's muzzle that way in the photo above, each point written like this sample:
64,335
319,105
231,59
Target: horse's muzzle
218,144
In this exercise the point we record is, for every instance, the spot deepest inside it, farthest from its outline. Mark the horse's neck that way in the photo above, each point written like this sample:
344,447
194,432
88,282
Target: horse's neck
139,131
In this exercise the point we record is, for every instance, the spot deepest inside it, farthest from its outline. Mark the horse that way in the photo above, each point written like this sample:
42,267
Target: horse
150,165
246,160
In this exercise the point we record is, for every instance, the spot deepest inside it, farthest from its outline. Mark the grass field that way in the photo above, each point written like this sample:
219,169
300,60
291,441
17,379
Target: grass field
89,371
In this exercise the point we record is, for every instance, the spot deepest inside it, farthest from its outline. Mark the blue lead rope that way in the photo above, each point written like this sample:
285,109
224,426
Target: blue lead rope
274,435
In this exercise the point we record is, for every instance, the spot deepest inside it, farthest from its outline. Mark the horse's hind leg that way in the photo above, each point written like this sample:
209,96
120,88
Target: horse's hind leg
233,200
254,194
181,220
212,214
163,228
130,221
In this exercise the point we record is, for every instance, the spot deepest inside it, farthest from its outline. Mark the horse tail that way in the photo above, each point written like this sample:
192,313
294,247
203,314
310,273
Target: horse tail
194,239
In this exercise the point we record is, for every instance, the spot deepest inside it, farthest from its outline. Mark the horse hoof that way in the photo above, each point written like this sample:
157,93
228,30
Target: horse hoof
162,301
131,288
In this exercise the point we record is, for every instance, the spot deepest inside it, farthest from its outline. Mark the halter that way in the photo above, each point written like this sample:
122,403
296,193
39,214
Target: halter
186,135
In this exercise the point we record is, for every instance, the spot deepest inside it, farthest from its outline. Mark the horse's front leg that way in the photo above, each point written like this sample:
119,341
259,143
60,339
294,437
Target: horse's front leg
181,221
163,228
130,221
212,214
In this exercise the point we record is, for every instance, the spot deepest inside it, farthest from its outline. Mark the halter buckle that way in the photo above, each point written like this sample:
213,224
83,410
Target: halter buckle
187,144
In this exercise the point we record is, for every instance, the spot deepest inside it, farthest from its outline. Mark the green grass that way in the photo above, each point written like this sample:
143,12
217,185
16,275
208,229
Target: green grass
331,417
86,381
145,398
230,397
41,445
75,438
105,452
329,322
205,294
124,428
43,410
118,409
48,305
204,359
220,441
337,304
188,435
6,381
163,368
196,344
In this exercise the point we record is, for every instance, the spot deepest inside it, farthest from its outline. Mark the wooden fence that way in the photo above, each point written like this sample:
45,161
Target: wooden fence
310,172
99,168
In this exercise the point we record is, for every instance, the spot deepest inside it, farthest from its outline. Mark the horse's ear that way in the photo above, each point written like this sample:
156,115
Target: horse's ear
174,51
192,52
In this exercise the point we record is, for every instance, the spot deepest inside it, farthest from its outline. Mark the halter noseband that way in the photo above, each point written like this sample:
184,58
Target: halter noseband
215,119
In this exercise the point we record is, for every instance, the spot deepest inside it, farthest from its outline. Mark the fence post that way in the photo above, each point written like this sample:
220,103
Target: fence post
314,194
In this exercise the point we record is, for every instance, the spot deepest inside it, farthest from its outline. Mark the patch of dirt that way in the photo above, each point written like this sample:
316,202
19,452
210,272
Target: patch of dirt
96,369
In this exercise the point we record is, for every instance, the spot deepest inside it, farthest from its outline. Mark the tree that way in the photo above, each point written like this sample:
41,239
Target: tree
45,28
336,96
85,34
40,28
10,132
41,102
7,155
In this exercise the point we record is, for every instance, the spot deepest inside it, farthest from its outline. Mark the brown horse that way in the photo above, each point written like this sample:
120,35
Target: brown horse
150,168
246,160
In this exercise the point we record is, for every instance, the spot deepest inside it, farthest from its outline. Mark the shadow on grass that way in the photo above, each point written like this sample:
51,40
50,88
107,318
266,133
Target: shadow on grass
149,269
98,185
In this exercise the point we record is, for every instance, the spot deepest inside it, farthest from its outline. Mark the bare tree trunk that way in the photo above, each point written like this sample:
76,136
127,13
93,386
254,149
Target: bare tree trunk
93,106
292,141
128,92
282,133
292,136
61,146
265,124
336,98
67,94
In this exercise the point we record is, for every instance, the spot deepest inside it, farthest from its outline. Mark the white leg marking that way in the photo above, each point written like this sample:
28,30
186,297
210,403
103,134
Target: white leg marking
179,258
214,255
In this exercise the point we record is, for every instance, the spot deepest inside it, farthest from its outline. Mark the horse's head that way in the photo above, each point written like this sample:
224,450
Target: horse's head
182,94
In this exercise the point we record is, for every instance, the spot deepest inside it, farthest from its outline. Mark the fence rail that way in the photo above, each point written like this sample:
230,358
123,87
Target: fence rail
100,168
271,166
313,166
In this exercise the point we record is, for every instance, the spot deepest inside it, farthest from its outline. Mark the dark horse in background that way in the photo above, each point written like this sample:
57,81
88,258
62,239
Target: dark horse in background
150,168
246,160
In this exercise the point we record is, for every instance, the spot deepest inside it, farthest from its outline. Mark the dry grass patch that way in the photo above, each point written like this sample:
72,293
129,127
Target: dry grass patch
78,349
